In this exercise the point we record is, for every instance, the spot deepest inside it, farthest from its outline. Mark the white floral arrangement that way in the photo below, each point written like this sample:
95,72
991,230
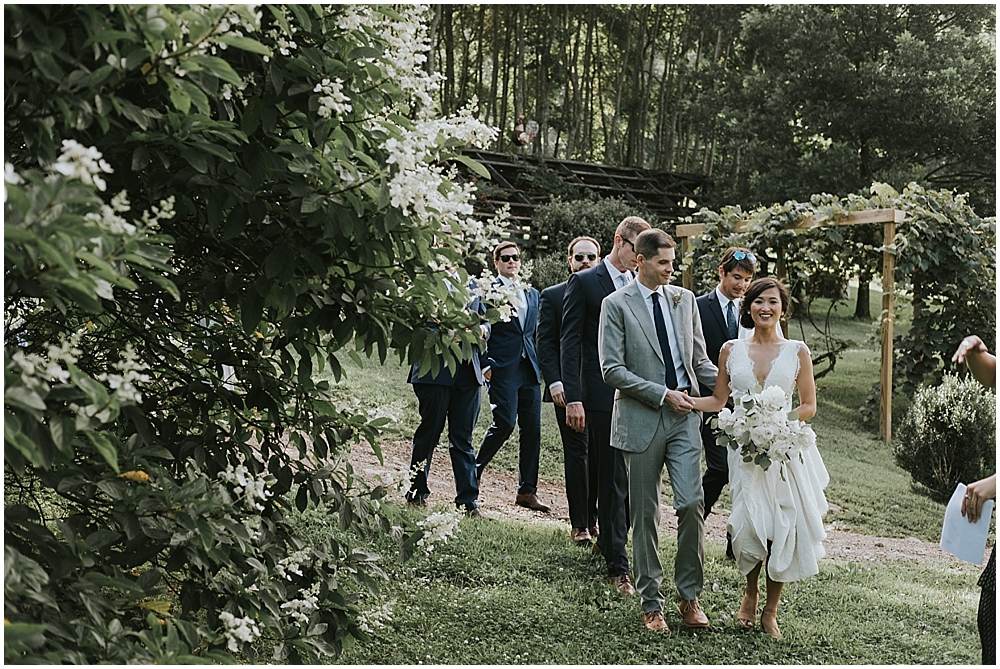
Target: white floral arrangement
499,295
763,429
438,527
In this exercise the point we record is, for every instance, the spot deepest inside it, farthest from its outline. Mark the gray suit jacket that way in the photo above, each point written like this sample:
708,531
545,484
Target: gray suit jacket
631,361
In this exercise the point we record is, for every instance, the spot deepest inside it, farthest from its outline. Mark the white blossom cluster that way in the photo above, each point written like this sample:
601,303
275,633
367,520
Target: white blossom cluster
301,609
497,294
238,629
293,563
84,163
10,176
123,384
762,427
438,527
251,488
333,98
376,618
232,23
109,219
36,370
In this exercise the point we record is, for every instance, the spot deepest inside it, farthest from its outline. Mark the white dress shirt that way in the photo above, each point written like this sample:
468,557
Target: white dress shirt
616,276
744,333
682,378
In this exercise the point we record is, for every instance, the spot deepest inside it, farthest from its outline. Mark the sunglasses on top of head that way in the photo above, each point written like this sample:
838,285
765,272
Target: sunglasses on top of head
589,256
740,255
507,258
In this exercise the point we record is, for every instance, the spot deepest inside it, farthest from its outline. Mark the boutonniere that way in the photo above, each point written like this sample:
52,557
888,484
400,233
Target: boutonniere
676,299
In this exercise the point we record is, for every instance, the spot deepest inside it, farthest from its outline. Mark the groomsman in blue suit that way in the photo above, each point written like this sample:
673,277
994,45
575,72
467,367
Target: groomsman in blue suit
454,397
589,400
515,381
720,315
579,459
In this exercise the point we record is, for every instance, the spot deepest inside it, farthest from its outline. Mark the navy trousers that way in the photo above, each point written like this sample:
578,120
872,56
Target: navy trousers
716,465
517,399
612,494
457,403
580,466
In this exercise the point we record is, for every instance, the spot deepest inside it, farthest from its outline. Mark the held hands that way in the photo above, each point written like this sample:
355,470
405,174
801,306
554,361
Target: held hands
679,401
976,495
488,374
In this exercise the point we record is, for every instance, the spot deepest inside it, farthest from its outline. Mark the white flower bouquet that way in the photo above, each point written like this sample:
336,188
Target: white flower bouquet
763,428
498,295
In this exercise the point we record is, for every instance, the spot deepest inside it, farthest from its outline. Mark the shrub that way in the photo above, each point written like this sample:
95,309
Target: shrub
558,222
548,270
948,435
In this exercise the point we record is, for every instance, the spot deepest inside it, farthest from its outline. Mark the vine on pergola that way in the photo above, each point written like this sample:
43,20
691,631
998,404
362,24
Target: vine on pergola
944,253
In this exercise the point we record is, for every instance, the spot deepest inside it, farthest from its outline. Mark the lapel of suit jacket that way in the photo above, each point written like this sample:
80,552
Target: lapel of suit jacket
637,304
682,324
605,279
716,309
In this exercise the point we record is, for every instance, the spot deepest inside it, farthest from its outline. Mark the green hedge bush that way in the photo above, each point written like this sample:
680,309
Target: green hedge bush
948,435
558,222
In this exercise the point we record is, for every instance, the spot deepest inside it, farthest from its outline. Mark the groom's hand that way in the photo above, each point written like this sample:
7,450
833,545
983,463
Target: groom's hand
679,401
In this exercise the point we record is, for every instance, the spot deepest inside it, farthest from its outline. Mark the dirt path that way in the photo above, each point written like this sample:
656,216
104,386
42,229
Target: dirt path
496,498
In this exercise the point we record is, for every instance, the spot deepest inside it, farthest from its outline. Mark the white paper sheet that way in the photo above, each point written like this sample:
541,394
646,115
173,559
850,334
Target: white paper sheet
965,540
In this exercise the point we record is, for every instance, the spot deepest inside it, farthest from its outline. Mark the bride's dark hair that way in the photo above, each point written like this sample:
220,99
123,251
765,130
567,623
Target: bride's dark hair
754,291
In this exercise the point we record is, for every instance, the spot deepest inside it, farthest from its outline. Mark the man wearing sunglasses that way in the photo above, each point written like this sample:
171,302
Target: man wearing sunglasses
589,400
514,382
719,310
579,461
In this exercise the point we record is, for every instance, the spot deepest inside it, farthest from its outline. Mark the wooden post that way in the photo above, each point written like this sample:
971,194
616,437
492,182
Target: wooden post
687,277
888,286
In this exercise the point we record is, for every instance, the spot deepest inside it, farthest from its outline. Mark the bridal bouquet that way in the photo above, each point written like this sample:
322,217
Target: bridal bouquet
763,429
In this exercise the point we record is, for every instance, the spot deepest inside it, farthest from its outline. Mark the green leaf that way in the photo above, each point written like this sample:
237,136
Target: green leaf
23,397
473,165
105,447
245,43
63,429
178,96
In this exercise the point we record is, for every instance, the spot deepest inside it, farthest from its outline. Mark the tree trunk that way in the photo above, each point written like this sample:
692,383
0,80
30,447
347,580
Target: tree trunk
862,310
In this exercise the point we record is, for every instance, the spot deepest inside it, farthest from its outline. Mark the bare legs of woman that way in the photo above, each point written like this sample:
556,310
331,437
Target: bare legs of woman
748,608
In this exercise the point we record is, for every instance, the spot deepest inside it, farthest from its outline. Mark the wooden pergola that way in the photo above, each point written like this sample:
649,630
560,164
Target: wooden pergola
888,218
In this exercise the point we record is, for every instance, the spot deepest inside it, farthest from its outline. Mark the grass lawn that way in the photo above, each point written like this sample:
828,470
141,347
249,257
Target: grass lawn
506,592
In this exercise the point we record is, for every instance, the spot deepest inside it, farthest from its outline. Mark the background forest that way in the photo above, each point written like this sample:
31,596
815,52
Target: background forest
770,102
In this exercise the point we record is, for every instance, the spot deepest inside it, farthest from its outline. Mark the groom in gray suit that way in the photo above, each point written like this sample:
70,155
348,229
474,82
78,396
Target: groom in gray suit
652,352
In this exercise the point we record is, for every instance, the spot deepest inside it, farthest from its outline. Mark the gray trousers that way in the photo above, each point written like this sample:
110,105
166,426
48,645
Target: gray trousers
676,444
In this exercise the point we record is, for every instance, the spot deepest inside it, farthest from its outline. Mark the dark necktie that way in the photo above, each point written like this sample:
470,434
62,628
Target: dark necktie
661,334
734,331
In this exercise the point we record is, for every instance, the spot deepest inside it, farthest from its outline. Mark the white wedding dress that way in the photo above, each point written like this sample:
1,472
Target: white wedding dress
788,513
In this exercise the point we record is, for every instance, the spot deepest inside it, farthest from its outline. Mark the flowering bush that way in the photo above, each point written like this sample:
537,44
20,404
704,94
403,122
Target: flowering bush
203,205
762,427
500,298
948,435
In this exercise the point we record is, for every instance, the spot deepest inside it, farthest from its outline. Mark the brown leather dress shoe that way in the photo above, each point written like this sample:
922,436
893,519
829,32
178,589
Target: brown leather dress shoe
593,532
692,614
580,536
623,583
654,621
531,501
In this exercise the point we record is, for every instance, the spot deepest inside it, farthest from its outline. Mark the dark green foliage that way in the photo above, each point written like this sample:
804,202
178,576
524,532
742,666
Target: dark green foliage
949,435
549,270
558,222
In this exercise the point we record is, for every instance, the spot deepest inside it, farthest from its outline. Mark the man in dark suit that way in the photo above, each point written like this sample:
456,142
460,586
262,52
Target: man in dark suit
514,380
589,400
719,311
579,461
454,397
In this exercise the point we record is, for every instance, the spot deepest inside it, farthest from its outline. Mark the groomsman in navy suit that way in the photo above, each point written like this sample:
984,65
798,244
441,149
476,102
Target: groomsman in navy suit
515,381
454,397
720,315
579,460
589,401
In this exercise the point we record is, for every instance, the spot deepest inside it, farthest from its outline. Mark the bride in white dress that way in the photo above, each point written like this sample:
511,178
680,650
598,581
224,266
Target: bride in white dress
776,520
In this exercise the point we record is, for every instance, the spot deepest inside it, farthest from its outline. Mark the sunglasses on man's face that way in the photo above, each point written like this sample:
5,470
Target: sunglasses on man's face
515,257
589,256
